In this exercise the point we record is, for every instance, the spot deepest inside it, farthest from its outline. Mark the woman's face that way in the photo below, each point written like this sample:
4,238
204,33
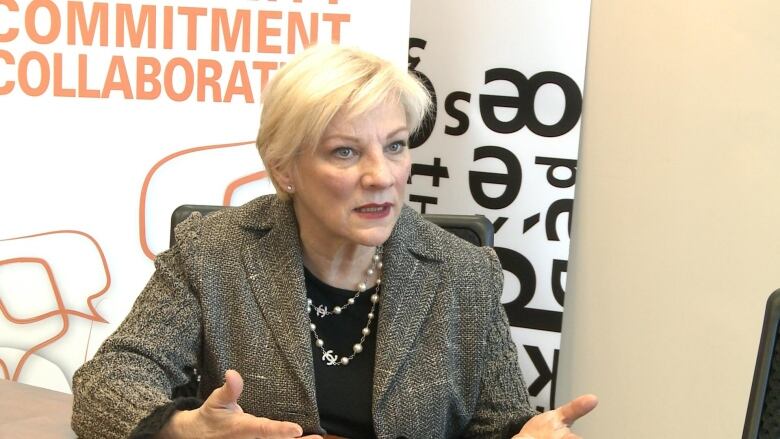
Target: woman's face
350,190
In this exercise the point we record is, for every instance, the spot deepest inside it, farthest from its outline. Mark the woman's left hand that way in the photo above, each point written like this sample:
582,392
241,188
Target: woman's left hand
555,423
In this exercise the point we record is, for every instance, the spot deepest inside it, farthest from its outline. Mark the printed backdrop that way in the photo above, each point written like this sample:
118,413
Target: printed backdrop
508,76
112,114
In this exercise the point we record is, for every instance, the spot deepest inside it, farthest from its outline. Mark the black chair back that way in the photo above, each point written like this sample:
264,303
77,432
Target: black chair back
763,413
475,229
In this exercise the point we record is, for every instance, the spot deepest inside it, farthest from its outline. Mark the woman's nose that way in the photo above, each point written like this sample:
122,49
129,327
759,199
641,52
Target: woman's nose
377,172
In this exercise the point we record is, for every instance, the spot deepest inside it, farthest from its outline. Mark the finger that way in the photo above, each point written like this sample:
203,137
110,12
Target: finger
270,429
227,395
577,408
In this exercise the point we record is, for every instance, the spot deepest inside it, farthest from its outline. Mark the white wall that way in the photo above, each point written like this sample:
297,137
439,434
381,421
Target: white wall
676,235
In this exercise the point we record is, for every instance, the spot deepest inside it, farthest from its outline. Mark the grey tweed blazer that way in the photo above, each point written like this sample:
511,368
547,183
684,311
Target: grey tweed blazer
231,295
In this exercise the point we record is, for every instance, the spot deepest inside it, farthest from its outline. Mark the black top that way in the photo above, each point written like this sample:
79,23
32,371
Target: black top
343,392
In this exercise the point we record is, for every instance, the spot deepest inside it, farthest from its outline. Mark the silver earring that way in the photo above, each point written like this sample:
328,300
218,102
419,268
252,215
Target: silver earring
289,188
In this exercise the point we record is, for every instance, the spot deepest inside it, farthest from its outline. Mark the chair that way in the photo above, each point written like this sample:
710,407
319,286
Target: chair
475,229
763,413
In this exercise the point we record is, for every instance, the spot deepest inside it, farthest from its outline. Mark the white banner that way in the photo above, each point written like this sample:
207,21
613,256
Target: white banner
111,115
508,76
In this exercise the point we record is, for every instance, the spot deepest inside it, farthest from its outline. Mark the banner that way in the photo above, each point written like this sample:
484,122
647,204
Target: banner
112,114
508,76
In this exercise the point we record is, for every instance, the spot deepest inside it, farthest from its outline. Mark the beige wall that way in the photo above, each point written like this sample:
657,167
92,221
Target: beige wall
676,237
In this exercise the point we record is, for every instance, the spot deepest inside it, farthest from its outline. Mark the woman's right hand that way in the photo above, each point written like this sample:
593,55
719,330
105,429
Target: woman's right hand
220,416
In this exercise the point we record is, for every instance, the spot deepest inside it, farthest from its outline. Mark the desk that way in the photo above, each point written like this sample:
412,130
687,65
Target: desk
34,412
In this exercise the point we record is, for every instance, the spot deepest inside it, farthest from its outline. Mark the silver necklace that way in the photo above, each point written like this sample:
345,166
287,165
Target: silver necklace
321,311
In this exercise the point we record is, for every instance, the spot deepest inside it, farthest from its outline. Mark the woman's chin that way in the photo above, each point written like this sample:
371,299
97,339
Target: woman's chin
374,237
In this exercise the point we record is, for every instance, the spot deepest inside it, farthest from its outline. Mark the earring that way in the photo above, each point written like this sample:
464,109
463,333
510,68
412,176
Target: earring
289,188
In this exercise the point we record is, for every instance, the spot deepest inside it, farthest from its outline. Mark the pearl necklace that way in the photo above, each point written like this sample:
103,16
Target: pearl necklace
321,311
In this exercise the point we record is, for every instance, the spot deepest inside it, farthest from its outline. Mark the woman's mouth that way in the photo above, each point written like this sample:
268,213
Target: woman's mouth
374,211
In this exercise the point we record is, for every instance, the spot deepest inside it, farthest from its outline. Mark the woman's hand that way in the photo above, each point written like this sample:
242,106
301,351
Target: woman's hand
555,423
220,416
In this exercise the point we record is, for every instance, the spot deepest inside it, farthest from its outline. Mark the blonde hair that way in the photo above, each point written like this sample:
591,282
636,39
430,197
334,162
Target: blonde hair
304,96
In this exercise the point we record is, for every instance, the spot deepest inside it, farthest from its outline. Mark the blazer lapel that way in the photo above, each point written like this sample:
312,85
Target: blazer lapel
274,264
409,281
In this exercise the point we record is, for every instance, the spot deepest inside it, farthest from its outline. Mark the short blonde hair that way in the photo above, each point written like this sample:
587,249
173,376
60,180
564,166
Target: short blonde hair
304,96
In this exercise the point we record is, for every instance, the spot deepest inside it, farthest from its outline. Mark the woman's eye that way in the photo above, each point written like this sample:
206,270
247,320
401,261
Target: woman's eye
396,146
344,152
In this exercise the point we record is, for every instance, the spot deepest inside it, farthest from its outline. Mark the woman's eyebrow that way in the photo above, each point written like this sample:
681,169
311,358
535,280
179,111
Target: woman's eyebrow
397,130
353,139
339,136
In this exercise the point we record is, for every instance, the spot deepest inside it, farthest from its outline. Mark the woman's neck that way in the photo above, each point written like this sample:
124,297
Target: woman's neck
341,266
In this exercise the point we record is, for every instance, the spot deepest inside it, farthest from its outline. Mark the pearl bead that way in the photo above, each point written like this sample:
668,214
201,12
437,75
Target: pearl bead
379,281
366,331
379,264
362,286
351,301
374,298
370,315
312,326
308,301
358,348
344,361
370,272
319,343
337,310
376,258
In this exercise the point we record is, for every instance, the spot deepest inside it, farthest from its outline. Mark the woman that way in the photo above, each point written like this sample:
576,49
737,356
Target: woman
329,308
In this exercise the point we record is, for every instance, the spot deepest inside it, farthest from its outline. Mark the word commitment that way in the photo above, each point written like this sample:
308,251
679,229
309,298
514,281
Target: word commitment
146,51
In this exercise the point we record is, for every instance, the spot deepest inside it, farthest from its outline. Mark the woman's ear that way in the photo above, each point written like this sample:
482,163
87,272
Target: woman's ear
284,177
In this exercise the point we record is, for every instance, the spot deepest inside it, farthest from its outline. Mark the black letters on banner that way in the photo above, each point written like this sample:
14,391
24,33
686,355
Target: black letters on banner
460,116
520,315
571,110
546,373
523,103
423,200
511,179
419,137
488,103
558,207
555,163
436,170
556,279
517,311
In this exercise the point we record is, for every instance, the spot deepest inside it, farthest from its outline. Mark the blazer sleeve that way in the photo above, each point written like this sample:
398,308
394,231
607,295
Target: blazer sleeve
503,406
136,369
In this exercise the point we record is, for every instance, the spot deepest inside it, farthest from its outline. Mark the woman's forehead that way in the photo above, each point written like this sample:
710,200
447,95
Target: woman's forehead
386,116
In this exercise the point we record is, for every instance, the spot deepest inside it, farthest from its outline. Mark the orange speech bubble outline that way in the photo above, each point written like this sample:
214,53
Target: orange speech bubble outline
228,195
94,316
61,310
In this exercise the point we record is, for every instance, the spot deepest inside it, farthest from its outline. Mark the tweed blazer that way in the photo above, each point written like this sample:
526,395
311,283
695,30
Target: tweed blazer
231,295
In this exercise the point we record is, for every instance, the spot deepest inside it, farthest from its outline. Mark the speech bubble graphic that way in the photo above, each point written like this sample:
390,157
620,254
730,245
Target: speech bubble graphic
45,279
226,174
